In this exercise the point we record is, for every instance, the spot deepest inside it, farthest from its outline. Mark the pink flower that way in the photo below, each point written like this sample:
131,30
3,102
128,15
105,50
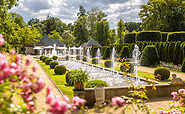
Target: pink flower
28,60
118,101
35,68
40,83
13,65
1,40
175,97
181,90
77,101
66,98
174,93
161,112
50,98
58,98
12,71
49,89
172,105
174,110
12,51
18,58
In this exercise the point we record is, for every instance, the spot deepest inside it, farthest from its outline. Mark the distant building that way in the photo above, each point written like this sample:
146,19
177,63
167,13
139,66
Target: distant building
90,43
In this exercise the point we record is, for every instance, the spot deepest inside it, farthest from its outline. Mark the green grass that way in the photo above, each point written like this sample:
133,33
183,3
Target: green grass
59,80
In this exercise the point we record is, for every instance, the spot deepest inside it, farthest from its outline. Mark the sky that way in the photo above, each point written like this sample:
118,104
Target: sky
66,10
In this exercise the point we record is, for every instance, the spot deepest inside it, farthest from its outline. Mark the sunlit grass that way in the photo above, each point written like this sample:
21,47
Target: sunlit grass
59,80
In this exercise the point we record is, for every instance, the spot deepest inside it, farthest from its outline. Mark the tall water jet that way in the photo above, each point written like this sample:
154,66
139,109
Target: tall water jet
54,50
135,55
69,52
113,58
88,55
65,50
98,57
45,52
74,50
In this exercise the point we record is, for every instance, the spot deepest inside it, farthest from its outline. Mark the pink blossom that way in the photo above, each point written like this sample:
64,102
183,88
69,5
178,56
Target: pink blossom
181,90
18,57
1,40
175,97
13,65
161,112
50,98
12,71
29,98
174,93
20,86
13,80
118,101
28,60
12,51
174,110
30,107
58,98
31,103
49,89
66,98
78,101
40,83
35,68
172,105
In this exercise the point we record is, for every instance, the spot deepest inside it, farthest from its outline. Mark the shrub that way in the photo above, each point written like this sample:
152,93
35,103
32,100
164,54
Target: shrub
176,36
107,53
125,52
164,36
108,63
94,50
176,53
68,77
47,61
60,69
163,72
129,38
67,57
78,57
52,64
42,57
183,65
55,57
93,83
127,67
84,59
149,56
95,61
148,36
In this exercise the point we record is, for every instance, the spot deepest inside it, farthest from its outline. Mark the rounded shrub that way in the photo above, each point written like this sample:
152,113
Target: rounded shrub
42,57
127,67
149,56
176,36
52,64
55,57
94,50
69,77
107,53
47,61
129,38
183,65
78,57
108,63
84,59
94,61
148,36
125,53
67,57
162,73
93,83
164,36
60,69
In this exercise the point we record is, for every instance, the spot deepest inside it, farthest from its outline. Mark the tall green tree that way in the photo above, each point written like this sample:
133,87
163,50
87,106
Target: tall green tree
55,35
120,30
82,11
102,32
163,15
113,36
18,19
133,26
68,39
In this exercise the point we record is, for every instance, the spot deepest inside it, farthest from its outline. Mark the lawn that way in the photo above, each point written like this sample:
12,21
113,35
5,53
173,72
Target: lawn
59,80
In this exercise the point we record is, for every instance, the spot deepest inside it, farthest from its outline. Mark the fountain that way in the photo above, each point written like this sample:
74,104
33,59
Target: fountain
45,52
135,55
88,55
54,50
69,53
98,55
113,58
80,52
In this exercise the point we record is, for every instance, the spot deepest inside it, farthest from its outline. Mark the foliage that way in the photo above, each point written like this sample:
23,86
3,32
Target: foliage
149,56
55,57
95,61
94,50
18,19
68,77
68,39
93,83
164,36
52,64
129,38
47,61
163,15
55,35
67,57
108,63
107,53
60,69
120,30
176,36
183,66
78,57
82,11
148,36
163,72
133,26
42,57
127,67
125,53
176,53
84,59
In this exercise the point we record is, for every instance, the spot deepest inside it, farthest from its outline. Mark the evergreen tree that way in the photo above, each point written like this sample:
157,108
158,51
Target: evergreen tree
176,53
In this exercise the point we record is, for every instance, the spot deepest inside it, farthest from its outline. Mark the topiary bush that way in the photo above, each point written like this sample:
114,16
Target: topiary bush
78,57
108,63
183,65
149,56
93,83
94,61
148,36
125,53
47,61
67,57
42,57
164,36
176,36
107,53
55,57
84,59
163,72
129,38
52,64
68,77
127,67
60,69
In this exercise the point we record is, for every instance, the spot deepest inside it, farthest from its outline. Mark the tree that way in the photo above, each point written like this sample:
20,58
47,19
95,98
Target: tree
82,11
133,26
33,21
94,15
163,15
68,39
18,19
81,31
55,35
113,36
102,32
120,30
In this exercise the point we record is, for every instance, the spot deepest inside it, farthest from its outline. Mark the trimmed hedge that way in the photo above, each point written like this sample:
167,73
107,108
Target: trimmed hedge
94,50
93,83
149,56
125,53
78,57
52,64
148,36
47,61
60,69
176,36
183,65
124,67
107,53
55,57
129,38
94,61
164,36
42,57
67,57
68,77
84,59
108,63
163,72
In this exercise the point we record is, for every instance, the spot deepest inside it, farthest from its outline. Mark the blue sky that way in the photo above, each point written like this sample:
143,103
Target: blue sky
67,10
